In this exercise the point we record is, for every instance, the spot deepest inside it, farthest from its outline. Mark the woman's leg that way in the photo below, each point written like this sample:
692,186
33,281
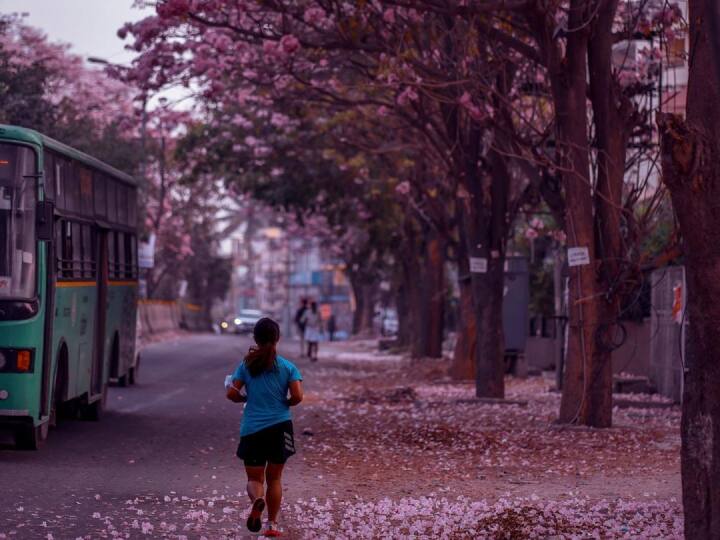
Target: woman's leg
255,490
256,482
274,489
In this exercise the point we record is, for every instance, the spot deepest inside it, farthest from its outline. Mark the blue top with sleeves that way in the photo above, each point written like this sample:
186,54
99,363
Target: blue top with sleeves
266,395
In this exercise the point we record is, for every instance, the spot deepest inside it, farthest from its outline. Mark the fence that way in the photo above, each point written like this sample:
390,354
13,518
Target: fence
652,348
667,347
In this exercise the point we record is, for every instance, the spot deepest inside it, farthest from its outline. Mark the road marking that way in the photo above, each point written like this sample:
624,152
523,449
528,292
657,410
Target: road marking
159,399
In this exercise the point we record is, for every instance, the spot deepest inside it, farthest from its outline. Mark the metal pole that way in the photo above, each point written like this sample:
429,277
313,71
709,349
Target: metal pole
288,263
143,136
559,312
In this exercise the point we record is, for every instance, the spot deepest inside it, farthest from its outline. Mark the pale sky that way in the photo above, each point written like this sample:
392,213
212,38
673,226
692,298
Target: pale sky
90,26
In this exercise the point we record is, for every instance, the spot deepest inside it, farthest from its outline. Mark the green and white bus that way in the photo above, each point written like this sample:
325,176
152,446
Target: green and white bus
68,282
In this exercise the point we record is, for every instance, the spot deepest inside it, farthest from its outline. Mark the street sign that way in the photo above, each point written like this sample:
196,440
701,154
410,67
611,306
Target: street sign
478,265
578,256
146,253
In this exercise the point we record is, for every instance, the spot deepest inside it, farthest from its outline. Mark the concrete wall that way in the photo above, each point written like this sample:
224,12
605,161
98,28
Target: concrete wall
652,348
156,316
633,356
540,352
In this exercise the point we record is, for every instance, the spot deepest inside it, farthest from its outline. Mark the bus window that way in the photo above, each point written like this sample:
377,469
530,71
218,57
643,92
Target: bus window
88,253
133,256
111,201
111,254
86,191
122,203
132,208
129,263
17,221
120,241
77,259
71,185
100,194
59,191
59,235
49,176
64,249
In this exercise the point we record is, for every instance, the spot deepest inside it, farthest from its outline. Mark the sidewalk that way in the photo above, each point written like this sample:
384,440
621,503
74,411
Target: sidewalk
392,449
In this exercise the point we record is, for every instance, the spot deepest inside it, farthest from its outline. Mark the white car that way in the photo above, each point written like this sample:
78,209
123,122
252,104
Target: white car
243,322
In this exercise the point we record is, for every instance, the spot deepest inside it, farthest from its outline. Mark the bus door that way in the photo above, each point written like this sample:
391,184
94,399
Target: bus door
101,257
51,261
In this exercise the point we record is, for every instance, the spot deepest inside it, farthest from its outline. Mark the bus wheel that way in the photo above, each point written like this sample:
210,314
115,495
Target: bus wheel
93,411
115,367
30,437
134,373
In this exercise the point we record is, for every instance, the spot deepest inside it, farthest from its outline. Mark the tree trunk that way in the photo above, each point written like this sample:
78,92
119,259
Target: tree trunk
581,395
359,308
369,292
412,274
418,338
423,262
611,116
690,156
490,342
433,296
464,356
483,221
364,292
403,313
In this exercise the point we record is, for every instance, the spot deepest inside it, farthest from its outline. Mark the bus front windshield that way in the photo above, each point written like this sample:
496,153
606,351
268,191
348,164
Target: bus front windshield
17,222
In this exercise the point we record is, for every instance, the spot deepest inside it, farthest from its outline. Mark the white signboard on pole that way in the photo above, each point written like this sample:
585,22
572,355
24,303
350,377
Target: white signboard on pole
146,253
478,265
578,256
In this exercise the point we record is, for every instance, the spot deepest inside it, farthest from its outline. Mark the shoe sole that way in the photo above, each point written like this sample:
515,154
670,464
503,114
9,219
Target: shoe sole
254,520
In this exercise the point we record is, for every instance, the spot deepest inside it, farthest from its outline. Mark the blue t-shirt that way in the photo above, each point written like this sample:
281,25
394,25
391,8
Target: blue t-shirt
266,395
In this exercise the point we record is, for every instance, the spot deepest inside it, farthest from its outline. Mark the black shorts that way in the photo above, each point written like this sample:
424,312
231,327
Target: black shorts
273,444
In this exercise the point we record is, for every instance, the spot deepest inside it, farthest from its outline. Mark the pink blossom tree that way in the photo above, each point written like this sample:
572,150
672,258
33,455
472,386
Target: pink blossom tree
491,95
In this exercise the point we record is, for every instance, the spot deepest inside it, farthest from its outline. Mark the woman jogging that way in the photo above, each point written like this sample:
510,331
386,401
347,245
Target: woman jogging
313,331
266,431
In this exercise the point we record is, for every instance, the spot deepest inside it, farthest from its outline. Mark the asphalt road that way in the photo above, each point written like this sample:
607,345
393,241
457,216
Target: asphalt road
162,454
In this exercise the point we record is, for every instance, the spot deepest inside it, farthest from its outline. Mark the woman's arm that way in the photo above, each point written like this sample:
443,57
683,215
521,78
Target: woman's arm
233,392
296,393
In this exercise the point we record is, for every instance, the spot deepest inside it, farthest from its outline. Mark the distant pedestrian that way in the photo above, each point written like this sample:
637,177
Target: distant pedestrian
313,331
300,322
266,431
331,327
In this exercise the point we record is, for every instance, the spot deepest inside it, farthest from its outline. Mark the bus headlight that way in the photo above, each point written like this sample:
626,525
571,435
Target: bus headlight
4,394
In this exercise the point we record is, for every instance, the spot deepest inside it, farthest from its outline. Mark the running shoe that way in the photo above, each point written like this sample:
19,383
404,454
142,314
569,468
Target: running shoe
254,520
272,530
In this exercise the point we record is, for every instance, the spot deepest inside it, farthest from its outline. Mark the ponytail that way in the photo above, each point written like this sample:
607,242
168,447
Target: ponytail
262,358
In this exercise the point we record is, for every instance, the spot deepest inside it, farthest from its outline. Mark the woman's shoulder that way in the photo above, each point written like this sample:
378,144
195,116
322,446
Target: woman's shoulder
284,362
241,368
288,369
